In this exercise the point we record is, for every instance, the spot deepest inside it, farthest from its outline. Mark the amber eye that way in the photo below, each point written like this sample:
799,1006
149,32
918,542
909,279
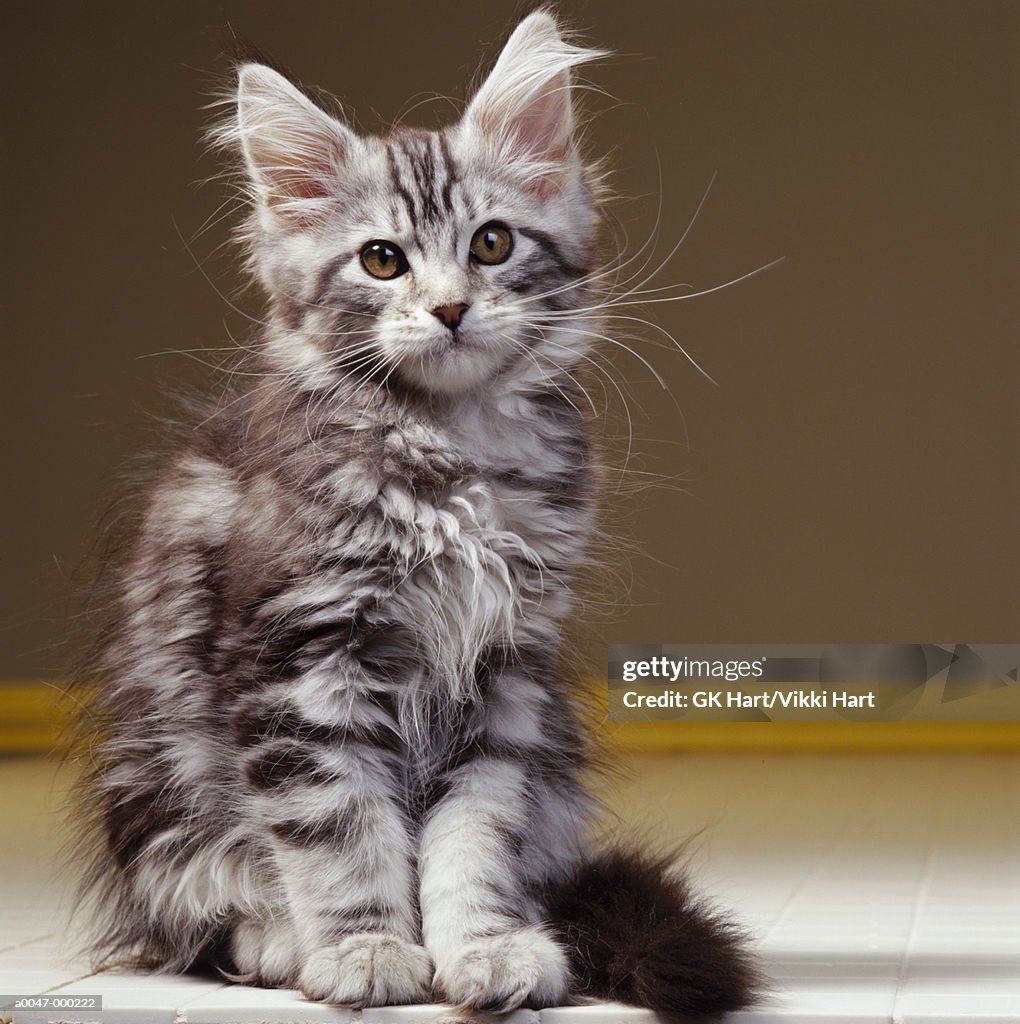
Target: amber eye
492,243
383,260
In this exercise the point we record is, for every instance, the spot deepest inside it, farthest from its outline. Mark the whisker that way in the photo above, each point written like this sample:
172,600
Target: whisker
704,291
616,341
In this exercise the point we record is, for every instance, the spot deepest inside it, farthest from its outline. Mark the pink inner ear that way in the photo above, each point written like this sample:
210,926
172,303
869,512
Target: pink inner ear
543,131
543,127
309,188
293,149
292,162
308,181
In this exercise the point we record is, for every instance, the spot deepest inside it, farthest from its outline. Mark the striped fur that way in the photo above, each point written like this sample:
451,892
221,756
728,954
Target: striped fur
337,751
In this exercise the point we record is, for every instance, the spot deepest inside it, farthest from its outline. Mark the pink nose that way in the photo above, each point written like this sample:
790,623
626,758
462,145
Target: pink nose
451,315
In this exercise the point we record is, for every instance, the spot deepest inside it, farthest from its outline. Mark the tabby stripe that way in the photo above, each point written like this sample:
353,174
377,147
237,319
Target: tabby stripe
326,276
254,726
283,645
386,700
250,609
207,643
501,659
422,166
285,764
370,916
341,830
375,560
541,761
546,242
451,174
133,821
564,490
504,893
399,187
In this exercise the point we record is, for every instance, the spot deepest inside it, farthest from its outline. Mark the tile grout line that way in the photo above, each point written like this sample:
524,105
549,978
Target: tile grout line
27,942
920,901
181,1013
786,911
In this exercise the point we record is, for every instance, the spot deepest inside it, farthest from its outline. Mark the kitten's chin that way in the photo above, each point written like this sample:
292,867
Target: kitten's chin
450,371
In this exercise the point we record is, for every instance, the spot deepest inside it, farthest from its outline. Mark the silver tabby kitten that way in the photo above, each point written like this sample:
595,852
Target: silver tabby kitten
337,753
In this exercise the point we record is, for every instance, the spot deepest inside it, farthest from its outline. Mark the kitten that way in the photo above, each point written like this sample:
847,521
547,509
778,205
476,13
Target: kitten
336,751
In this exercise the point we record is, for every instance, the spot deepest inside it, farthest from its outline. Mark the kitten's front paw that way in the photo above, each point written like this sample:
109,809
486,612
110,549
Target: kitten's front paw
368,969
502,972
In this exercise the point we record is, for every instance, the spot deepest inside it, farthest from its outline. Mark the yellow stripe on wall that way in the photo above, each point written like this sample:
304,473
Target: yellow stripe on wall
32,717
832,737
33,714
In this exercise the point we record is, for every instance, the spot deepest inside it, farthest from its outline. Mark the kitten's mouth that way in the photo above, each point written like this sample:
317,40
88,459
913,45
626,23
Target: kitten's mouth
458,343
454,341
450,363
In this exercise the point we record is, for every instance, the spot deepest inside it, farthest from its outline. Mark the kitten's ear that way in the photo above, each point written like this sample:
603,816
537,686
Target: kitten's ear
525,104
293,150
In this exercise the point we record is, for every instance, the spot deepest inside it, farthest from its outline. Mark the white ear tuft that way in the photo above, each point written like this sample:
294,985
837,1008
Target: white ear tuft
294,151
525,103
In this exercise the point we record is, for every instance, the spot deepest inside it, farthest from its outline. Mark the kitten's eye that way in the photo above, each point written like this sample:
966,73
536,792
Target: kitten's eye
384,260
492,243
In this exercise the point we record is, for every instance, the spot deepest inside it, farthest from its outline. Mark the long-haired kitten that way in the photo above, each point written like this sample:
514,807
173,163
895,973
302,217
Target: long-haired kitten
336,748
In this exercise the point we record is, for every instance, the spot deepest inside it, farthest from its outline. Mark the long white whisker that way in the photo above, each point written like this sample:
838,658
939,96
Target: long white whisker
703,291
616,341
603,373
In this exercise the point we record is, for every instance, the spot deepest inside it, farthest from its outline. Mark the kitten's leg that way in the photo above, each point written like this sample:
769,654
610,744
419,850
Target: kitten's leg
512,816
264,951
328,797
172,869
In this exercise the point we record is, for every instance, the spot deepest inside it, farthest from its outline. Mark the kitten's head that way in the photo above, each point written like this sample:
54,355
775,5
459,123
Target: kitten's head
439,261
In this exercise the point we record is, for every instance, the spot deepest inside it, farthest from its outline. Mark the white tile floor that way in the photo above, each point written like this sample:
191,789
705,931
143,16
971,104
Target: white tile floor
878,889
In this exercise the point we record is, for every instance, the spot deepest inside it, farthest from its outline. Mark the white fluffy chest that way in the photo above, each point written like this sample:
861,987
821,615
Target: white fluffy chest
481,567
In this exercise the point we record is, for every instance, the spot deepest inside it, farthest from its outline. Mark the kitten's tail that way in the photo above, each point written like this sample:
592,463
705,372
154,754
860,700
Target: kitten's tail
638,935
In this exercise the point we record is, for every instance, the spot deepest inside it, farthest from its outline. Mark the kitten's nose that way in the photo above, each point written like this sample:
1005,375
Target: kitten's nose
451,315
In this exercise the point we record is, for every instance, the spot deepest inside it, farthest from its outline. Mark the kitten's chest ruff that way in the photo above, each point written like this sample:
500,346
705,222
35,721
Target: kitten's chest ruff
483,528
480,491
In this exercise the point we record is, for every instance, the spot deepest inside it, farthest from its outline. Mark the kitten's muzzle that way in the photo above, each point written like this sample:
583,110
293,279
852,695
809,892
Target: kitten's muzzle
451,316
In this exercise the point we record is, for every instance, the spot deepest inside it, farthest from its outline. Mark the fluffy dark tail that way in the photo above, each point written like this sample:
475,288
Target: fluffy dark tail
640,936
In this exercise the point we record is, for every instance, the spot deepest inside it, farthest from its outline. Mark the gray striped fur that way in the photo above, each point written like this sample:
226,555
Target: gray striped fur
337,750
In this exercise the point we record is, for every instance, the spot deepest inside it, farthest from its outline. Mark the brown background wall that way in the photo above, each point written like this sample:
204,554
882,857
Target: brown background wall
855,476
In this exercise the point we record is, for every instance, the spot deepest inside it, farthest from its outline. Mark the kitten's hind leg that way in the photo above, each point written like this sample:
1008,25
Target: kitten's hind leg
265,952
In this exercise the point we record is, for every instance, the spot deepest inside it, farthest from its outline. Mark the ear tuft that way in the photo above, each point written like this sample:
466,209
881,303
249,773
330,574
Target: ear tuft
294,151
525,104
